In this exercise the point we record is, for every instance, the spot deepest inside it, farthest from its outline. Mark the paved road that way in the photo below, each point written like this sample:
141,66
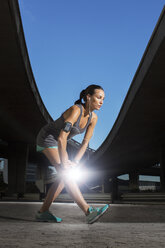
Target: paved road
122,226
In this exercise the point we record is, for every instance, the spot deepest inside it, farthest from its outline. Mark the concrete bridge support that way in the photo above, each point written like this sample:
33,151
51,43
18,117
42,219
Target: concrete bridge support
134,181
17,162
114,189
162,169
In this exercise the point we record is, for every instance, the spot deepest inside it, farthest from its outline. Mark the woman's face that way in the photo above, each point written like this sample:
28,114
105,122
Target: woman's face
96,100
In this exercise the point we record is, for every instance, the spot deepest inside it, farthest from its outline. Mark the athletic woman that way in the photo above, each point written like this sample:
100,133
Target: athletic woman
52,142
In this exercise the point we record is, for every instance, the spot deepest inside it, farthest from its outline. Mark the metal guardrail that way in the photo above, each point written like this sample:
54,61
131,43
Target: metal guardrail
77,144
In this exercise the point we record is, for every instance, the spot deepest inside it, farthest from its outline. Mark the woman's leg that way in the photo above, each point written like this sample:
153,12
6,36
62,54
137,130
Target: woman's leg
75,193
58,185
71,186
52,194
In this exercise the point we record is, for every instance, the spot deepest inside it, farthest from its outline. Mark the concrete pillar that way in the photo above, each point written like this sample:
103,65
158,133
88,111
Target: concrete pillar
162,169
114,189
102,184
17,162
107,185
134,181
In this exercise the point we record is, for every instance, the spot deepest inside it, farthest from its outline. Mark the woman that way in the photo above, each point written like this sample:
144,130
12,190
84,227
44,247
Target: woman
52,142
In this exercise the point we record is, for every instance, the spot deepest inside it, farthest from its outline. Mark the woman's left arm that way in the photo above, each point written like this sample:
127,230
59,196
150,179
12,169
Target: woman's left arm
87,137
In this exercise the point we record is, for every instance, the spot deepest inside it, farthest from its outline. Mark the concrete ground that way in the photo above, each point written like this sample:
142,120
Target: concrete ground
121,226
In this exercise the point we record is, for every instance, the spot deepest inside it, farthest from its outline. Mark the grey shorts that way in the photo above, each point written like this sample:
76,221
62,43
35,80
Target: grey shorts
41,148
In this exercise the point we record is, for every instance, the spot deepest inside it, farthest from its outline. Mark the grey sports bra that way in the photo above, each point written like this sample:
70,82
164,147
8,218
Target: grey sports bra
76,128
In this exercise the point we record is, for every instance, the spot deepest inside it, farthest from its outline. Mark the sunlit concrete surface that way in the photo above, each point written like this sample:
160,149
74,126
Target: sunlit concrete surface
122,226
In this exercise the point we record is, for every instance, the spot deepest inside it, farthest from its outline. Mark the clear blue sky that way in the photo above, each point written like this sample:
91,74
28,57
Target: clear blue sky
73,43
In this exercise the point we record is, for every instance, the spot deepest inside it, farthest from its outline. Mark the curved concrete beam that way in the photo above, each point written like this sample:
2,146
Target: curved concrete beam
138,132
22,111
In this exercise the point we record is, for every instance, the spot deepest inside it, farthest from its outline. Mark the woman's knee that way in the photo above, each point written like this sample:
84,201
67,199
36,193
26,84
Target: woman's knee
52,155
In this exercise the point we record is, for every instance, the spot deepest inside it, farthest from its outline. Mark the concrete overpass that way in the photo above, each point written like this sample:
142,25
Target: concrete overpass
22,111
21,108
137,138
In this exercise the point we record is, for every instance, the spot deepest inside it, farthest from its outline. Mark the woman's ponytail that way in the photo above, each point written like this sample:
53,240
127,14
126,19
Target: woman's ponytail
82,96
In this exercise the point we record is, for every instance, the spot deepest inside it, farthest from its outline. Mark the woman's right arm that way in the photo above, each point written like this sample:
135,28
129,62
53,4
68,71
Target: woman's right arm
71,115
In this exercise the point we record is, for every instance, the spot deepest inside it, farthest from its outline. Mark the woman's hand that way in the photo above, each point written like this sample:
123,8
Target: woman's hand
68,164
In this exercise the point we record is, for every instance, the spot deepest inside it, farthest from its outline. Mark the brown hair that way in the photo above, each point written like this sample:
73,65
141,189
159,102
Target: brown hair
89,90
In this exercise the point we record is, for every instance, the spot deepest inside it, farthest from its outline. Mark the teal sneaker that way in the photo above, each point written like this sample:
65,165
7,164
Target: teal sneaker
95,213
47,217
